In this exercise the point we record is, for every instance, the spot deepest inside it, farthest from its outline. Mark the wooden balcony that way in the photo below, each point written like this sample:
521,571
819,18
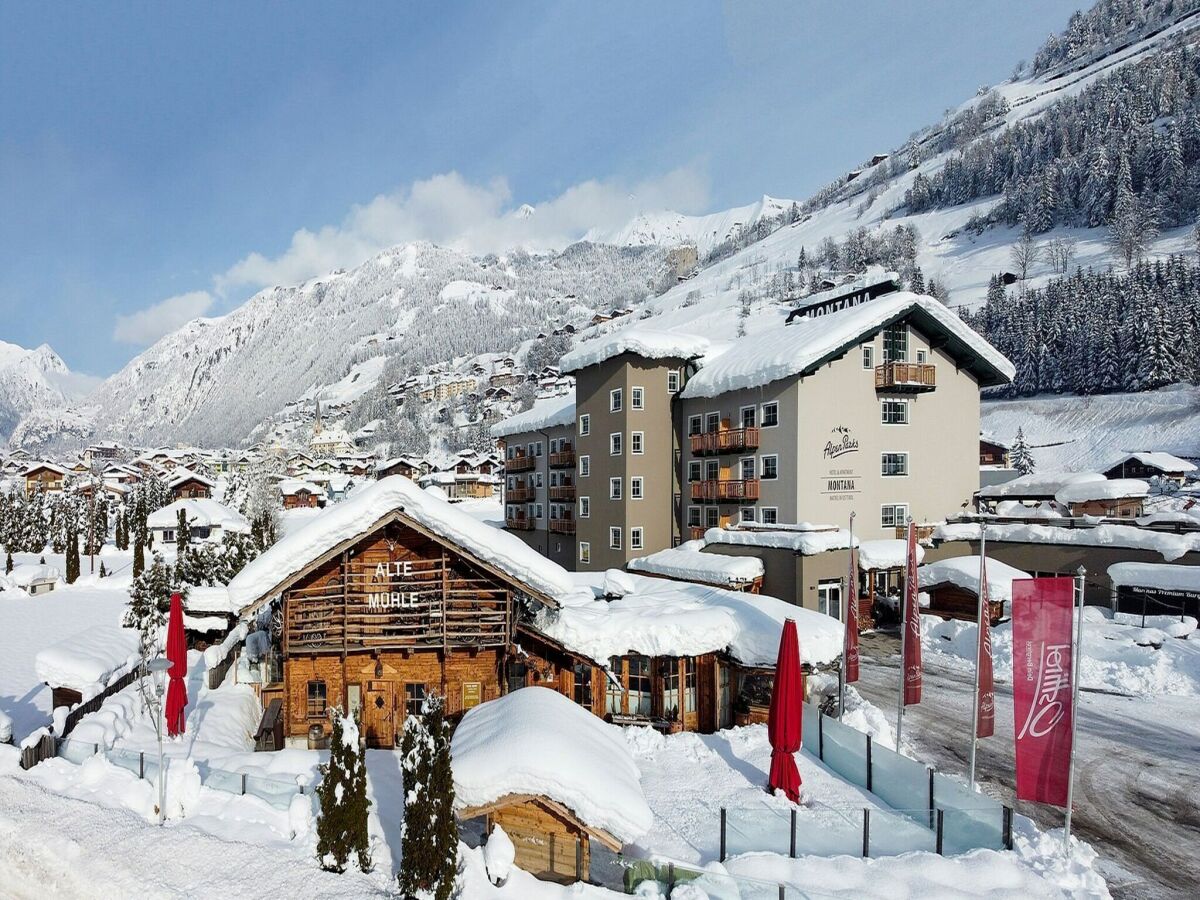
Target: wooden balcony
520,463
729,440
562,492
562,526
563,459
905,378
725,489
518,523
696,532
519,495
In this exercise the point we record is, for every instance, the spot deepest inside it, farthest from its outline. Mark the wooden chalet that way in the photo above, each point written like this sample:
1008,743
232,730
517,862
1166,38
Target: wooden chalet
189,485
47,477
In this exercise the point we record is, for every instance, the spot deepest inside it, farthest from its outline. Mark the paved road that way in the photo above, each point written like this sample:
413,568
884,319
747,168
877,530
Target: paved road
1137,764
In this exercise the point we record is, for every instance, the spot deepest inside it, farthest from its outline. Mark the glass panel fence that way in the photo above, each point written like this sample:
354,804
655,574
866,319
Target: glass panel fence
76,751
969,819
755,828
220,780
126,759
829,831
811,726
897,831
277,792
902,783
845,751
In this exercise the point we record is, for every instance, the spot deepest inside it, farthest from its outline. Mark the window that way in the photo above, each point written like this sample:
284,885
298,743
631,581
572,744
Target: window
746,513
582,690
614,489
769,515
894,412
168,536
712,469
537,449
614,538
614,444
893,514
748,416
585,507
613,692
635,538
868,356
639,685
637,397
537,477
414,699
537,514
770,415
614,400
747,469
635,487
585,424
694,470
689,684
672,381
922,356
317,699
693,517
585,552
637,440
712,421
895,464
668,679
695,425
829,597
585,466
895,344
712,516
770,467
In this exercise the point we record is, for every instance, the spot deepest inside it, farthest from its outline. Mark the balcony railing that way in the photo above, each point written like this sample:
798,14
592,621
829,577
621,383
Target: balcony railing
905,377
519,495
562,492
518,523
519,464
563,459
731,440
696,532
562,526
739,489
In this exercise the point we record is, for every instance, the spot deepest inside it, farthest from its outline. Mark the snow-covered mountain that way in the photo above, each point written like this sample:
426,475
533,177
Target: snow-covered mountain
31,380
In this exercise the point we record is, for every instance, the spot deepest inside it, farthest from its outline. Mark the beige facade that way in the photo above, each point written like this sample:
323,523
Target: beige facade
539,491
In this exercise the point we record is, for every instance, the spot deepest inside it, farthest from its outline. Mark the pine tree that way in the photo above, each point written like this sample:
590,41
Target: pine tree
139,558
342,795
429,834
8,563
1020,456
149,601
103,573
72,561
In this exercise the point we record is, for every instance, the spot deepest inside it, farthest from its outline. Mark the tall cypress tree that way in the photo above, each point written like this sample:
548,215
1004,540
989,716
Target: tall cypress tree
72,555
430,835
342,794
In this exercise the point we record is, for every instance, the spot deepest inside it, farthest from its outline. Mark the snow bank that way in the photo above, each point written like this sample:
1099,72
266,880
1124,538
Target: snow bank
545,413
214,654
27,574
672,618
536,741
397,494
690,564
887,553
808,542
803,345
1109,489
5,728
650,343
88,661
1169,546
963,571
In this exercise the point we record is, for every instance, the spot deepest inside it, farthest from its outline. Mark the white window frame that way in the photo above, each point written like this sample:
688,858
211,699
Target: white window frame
717,425
615,488
762,467
698,421
699,517
636,488
868,356
742,468
585,424
753,414
616,400
882,467
619,443
774,515
637,442
883,405
537,510
637,397
537,480
698,468
746,514
672,381
762,415
585,507
585,551
614,538
636,538
922,356
714,513
585,466
893,507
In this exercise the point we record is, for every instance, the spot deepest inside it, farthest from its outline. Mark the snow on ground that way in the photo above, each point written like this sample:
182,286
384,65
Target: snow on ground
1118,654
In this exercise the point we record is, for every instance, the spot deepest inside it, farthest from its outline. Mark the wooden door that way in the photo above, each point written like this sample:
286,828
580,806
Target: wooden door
379,714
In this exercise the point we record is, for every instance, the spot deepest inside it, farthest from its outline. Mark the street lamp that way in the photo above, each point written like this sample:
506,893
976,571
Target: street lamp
158,669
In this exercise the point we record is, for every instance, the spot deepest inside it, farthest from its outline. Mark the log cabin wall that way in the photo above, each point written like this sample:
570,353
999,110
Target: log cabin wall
548,845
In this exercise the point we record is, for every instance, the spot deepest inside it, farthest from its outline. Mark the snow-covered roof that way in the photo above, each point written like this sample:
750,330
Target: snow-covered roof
660,617
1156,459
886,553
687,563
52,467
963,571
1109,489
1038,484
651,343
549,412
807,343
209,599
182,475
30,573
290,486
535,741
201,512
89,660
1160,576
268,574
803,538
1169,546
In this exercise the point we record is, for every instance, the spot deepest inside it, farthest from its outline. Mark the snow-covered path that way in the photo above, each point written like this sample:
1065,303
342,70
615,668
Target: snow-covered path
1136,764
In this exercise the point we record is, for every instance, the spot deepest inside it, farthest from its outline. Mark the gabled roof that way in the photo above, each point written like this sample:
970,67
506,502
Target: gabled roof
182,476
547,413
48,466
1155,459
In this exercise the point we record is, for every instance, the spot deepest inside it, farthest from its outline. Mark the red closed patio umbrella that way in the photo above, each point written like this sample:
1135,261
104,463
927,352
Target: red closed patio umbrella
786,721
177,697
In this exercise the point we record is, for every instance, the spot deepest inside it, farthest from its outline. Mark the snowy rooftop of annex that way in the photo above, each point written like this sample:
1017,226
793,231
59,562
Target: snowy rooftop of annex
1109,489
548,412
1165,462
1038,485
963,571
614,613
290,486
350,519
537,742
686,562
200,511
803,538
1169,546
651,343
886,553
28,573
1160,576
89,660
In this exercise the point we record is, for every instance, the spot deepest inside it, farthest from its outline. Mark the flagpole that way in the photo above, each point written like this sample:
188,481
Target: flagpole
978,638
1075,661
849,595
903,644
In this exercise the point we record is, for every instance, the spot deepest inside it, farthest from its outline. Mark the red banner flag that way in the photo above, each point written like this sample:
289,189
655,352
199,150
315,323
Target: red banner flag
911,622
1042,699
986,726
851,644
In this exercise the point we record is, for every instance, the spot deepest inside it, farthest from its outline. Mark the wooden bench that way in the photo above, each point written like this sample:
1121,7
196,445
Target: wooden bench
270,730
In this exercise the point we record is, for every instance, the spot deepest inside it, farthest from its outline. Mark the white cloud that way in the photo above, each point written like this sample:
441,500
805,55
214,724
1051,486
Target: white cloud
476,218
147,325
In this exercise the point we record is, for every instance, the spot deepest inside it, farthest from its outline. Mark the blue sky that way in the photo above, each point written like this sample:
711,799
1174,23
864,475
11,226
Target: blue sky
159,161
